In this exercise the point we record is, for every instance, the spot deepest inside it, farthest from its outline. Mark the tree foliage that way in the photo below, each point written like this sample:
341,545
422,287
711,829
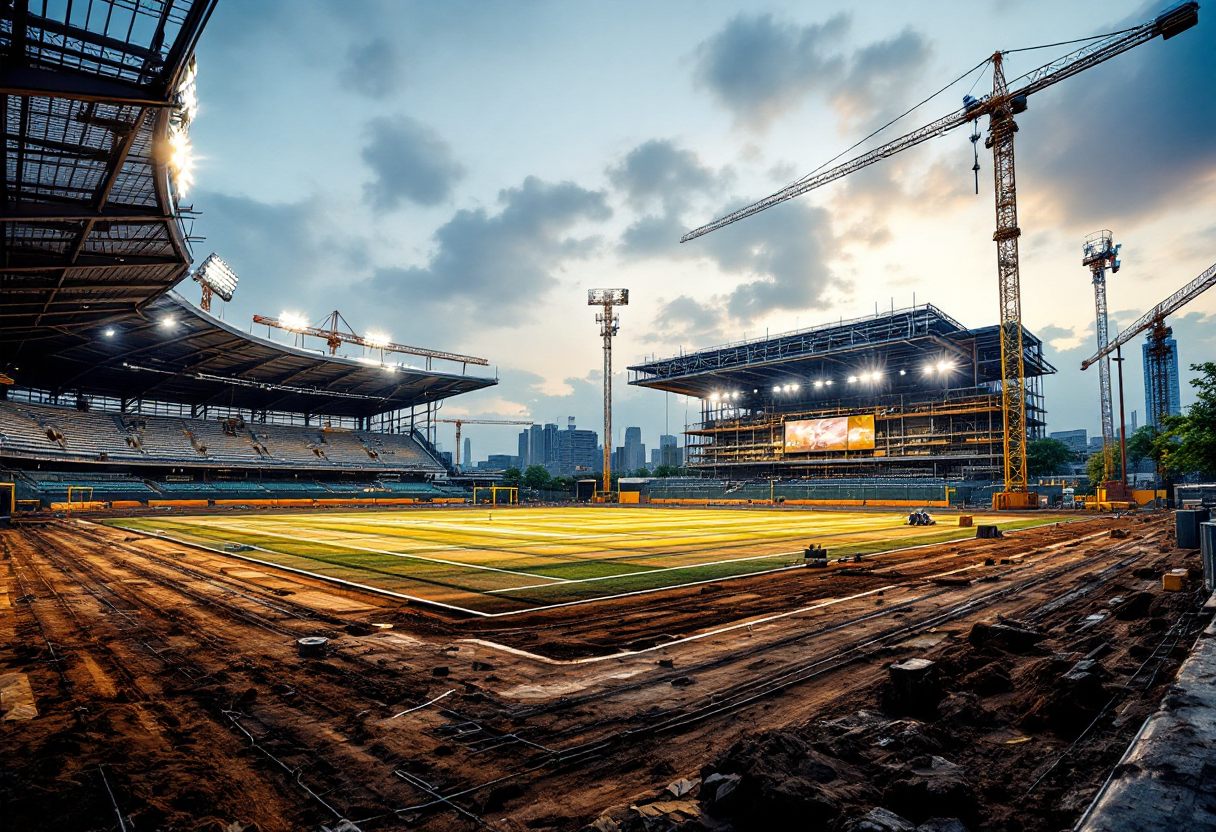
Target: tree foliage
537,476
1045,457
667,471
1095,466
512,477
1187,443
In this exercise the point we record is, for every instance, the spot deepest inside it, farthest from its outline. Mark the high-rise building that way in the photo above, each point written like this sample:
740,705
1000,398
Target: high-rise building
536,445
523,449
468,452
574,451
655,458
550,445
1076,440
1173,400
669,451
635,451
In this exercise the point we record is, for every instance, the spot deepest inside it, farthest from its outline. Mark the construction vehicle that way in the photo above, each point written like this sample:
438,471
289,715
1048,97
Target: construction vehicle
1006,101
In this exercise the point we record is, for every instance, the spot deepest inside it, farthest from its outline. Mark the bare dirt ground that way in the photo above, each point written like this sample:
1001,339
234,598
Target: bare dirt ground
170,694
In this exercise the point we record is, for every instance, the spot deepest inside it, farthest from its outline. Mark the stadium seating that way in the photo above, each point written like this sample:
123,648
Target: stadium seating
41,432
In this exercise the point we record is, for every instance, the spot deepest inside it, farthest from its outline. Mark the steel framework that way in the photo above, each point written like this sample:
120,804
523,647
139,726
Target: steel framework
1099,253
1000,107
608,299
90,224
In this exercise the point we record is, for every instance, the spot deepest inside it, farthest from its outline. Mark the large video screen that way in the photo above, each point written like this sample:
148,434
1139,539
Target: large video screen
839,433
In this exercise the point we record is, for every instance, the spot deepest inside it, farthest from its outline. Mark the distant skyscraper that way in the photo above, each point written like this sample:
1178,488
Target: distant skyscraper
1076,440
575,451
467,459
523,448
1173,394
550,445
635,451
536,445
669,451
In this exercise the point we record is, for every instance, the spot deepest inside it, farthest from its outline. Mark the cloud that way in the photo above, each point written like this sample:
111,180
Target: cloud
374,69
781,253
487,264
410,162
286,253
1127,139
759,68
658,170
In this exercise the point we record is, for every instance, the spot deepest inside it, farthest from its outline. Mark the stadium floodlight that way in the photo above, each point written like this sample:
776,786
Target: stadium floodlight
109,333
928,369
377,340
903,372
713,397
818,384
828,382
292,321
168,322
852,379
216,278
776,388
614,297
793,386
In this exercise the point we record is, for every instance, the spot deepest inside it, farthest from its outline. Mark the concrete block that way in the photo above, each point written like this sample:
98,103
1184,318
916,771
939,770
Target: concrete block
1174,580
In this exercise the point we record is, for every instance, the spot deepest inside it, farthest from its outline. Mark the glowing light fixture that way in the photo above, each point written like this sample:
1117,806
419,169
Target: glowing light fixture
903,372
776,389
828,382
377,340
818,384
109,333
168,322
292,320
852,379
713,397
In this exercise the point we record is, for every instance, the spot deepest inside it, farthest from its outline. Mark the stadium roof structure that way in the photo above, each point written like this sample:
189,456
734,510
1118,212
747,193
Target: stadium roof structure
92,95
902,339
169,350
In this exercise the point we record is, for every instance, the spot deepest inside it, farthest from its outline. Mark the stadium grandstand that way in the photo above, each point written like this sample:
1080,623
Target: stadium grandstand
909,393
113,385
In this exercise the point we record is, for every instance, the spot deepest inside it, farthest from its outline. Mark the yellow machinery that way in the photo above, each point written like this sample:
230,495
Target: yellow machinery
1000,107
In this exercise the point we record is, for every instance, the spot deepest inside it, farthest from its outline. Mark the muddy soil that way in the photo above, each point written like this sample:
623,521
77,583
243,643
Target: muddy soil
169,692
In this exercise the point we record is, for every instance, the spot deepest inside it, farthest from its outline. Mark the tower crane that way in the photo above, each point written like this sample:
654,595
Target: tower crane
334,337
1098,253
1153,322
461,422
1006,100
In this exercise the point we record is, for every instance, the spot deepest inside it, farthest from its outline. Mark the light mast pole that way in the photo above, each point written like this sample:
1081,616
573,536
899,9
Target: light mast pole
609,325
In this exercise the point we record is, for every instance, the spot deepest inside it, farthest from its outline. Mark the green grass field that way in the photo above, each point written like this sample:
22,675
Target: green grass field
510,560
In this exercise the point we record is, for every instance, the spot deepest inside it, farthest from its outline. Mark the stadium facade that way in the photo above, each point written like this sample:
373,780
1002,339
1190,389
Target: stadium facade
112,382
909,393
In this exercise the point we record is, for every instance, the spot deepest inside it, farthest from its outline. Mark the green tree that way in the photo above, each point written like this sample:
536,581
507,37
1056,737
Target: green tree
642,472
537,476
667,471
1095,467
513,477
1045,457
1140,445
1187,443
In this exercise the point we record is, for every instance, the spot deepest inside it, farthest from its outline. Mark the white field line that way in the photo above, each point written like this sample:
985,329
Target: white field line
565,581
757,621
479,614
315,541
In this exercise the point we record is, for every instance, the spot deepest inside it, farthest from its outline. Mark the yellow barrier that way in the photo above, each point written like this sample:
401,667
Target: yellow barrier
867,503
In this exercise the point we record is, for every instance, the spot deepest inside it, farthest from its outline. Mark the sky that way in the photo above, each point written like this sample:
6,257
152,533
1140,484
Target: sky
459,174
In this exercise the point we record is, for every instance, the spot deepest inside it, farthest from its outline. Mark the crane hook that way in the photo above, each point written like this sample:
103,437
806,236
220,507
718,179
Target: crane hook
975,137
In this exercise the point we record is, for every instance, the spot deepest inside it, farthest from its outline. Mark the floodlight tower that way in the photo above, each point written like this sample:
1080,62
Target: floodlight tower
1099,253
609,325
216,278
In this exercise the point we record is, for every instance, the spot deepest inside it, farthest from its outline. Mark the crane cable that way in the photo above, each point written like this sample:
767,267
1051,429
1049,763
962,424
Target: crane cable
981,64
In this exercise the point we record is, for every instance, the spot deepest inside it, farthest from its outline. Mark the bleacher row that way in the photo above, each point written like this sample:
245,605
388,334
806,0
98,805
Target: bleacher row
49,487
40,432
